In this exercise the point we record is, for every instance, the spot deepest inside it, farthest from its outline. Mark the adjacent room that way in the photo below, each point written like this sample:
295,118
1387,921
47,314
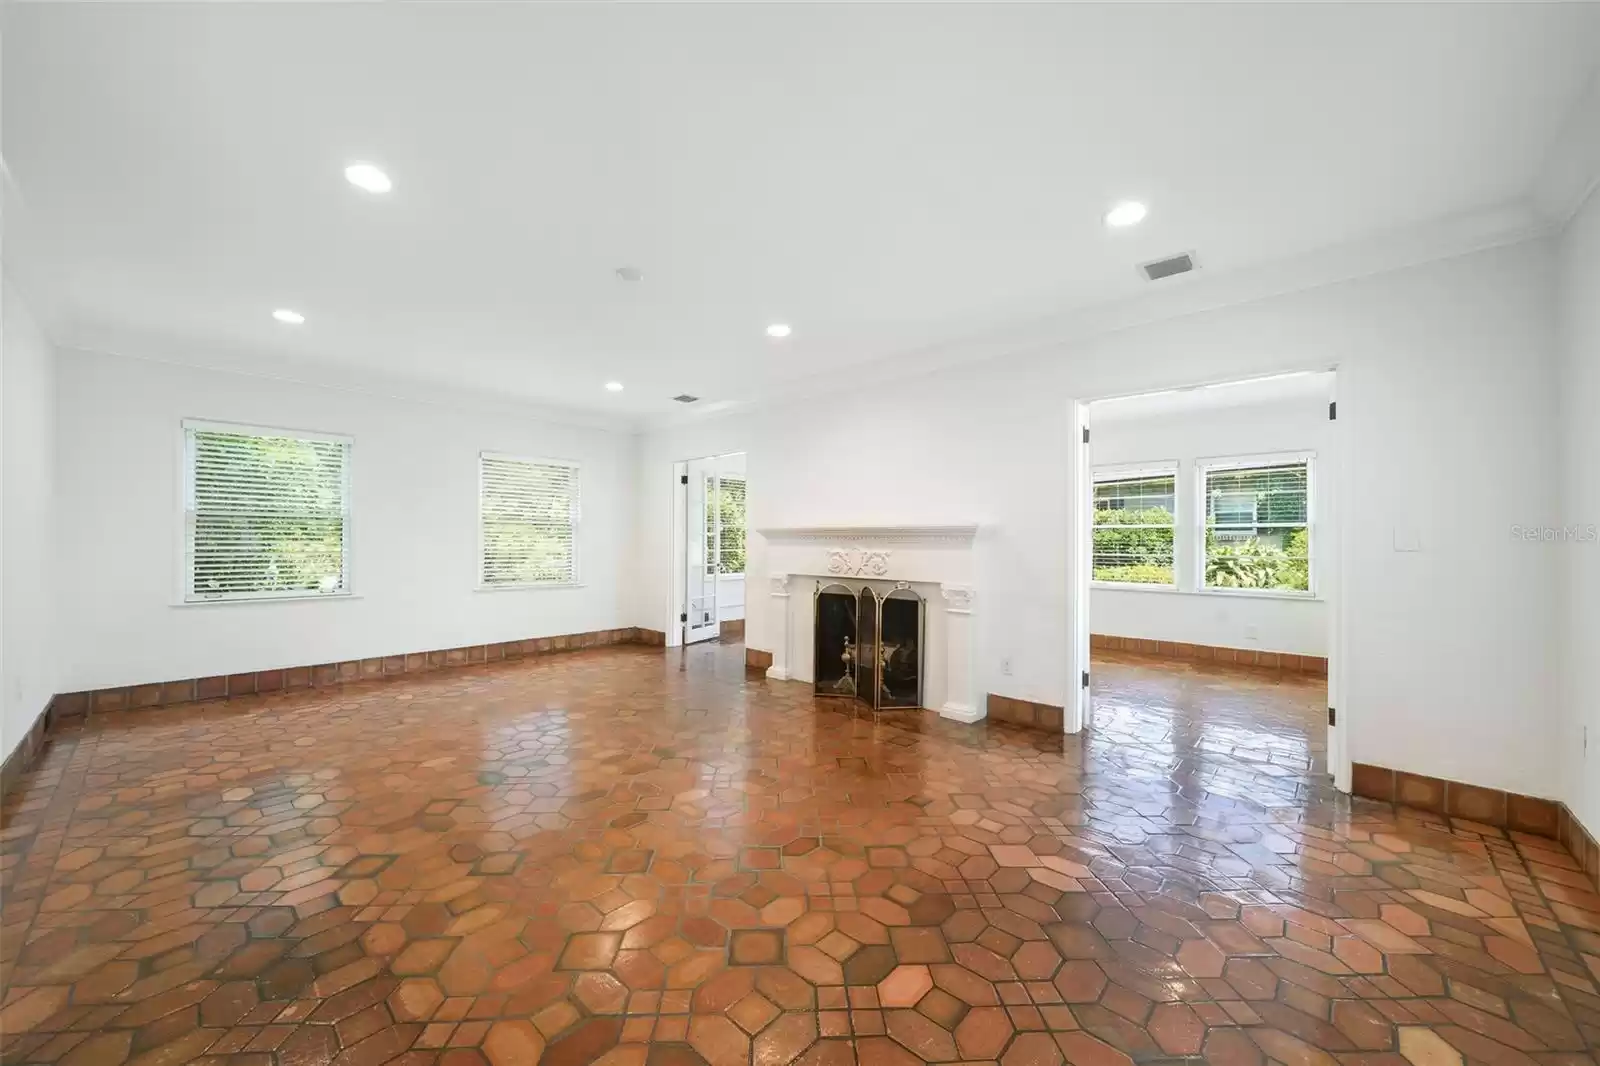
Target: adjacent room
1212,563
799,534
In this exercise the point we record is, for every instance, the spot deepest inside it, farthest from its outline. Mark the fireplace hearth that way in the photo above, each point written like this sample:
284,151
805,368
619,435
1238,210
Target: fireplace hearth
868,645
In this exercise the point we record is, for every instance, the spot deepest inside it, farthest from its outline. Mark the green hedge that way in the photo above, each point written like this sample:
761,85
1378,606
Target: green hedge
1140,554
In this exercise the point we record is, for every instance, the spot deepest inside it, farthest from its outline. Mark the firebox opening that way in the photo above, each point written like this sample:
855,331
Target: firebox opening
869,645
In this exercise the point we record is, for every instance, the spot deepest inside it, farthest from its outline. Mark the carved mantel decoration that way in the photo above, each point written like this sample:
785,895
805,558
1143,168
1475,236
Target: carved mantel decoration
858,562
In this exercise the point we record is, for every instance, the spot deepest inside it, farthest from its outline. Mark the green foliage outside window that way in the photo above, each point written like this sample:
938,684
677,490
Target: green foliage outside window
1136,548
1257,564
268,515
728,505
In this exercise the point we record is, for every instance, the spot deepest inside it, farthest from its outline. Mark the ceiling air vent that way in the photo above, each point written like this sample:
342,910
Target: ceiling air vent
1166,268
686,398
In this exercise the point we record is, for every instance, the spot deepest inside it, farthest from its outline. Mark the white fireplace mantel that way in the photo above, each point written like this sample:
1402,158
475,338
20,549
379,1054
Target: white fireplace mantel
934,535
936,556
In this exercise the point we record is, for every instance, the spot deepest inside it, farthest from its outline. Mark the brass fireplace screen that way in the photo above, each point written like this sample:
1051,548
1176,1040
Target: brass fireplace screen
869,646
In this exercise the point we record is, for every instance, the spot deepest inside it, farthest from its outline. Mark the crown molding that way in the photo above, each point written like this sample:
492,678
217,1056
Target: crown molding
1571,169
34,275
1190,294
267,366
945,535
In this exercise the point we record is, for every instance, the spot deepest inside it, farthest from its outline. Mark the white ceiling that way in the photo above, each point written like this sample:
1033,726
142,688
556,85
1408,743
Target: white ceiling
887,178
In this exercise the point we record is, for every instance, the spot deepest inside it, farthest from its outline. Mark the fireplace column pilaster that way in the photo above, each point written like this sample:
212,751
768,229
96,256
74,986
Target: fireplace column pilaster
779,670
959,704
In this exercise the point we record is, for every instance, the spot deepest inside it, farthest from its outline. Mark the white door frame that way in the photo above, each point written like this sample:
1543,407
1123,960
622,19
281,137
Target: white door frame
679,563
676,626
1080,548
1080,544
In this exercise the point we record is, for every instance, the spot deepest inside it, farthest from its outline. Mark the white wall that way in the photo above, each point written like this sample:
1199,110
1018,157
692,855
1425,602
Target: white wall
1579,498
1190,614
1446,389
27,476
414,527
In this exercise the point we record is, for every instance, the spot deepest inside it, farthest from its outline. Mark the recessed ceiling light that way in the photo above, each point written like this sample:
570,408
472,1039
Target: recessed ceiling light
613,386
778,329
1127,213
367,176
292,318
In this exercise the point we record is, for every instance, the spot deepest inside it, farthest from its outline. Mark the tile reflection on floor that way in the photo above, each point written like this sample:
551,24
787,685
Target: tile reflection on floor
633,858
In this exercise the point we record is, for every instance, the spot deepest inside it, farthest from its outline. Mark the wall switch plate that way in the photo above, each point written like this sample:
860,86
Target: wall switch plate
1005,667
1407,539
1252,632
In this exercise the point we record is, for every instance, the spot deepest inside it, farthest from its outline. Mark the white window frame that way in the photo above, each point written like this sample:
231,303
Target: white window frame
577,526
1202,467
1124,472
184,594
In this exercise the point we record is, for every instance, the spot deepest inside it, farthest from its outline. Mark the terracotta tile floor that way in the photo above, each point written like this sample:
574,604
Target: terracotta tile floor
615,856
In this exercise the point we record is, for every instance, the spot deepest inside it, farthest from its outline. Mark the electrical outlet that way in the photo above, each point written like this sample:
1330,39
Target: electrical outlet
1005,667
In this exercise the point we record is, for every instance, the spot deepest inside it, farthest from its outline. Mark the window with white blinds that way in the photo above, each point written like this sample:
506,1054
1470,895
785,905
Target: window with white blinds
1134,526
725,525
1256,526
266,513
528,521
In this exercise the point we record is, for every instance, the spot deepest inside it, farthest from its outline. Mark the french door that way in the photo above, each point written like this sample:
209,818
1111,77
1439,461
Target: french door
703,536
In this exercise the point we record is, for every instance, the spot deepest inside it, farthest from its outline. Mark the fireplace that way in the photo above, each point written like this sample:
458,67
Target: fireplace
869,644
922,577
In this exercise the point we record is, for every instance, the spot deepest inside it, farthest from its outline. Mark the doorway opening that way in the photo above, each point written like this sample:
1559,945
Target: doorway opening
711,527
1208,567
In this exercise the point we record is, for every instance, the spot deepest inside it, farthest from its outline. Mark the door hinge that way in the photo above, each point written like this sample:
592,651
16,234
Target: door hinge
1333,716
1086,434
1333,410
683,479
1086,679
684,617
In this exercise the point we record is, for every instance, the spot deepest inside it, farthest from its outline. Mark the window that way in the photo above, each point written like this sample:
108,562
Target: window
528,521
266,513
1256,533
1133,527
725,522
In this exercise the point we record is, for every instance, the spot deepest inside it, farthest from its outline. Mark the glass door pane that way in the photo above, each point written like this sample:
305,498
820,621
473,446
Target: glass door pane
701,577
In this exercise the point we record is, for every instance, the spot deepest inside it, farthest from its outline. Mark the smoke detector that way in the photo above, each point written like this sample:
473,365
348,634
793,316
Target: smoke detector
1166,268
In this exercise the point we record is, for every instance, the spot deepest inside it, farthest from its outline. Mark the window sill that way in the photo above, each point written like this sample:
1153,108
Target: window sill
1245,594
1260,594
245,601
532,586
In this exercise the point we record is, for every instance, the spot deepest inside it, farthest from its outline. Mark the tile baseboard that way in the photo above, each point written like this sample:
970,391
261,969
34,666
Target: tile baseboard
22,757
732,630
1172,649
1489,806
1581,844
756,659
72,706
1026,713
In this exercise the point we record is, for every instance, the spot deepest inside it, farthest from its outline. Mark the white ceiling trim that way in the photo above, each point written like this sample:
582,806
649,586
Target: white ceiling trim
357,381
35,276
1179,297
1176,298
930,535
1572,169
